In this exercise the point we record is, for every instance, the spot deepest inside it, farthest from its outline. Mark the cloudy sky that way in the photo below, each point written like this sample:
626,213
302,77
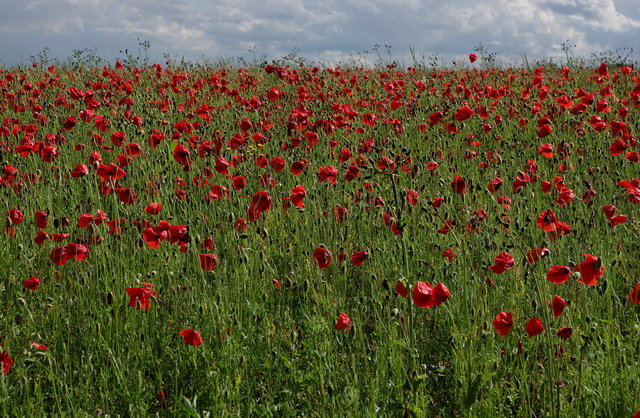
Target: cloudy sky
328,32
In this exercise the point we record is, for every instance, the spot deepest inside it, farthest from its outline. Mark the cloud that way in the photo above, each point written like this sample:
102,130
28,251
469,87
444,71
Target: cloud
327,31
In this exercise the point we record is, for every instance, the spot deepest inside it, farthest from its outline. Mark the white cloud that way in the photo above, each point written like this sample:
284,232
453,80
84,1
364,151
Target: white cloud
329,30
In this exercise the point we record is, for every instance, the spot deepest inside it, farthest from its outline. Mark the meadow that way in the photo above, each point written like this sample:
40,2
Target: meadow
289,240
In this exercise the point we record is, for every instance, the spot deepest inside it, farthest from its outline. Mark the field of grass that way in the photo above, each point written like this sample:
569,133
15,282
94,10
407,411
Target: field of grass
323,241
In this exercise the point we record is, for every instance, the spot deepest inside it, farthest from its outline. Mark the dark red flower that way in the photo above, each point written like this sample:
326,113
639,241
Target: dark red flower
459,185
449,254
504,261
110,172
328,173
322,256
634,294
503,322
557,305
359,257
344,322
191,337
153,208
41,219
537,254
32,283
547,220
565,332
5,358
412,196
260,202
422,295
401,289
440,293
464,113
534,327
15,216
591,269
494,184
141,296
473,58
80,170
558,274
207,261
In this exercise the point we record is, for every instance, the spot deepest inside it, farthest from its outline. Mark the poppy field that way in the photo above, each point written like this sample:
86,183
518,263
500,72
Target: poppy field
288,240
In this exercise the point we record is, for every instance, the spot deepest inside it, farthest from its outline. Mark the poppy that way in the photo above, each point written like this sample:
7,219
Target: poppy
41,219
634,294
328,173
503,322
191,337
537,254
207,261
15,216
222,165
565,332
32,283
79,170
278,164
240,225
153,208
110,172
464,113
440,293
449,254
5,358
557,305
298,166
422,295
323,257
544,130
546,150
494,184
534,327
412,197
591,269
558,274
459,185
276,283
298,194
547,220
473,58
238,182
609,211
39,346
401,289
344,322
503,262
446,228
340,212
141,295
359,257
260,202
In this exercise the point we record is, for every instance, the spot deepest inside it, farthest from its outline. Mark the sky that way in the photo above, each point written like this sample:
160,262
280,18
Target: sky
319,32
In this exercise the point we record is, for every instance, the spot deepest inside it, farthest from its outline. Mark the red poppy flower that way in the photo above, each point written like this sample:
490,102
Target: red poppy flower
110,172
298,167
340,212
494,184
459,185
5,358
401,289
298,194
191,337
537,254
344,322
503,322
473,58
39,346
141,296
464,113
557,305
547,220
546,150
240,225
328,173
79,170
41,219
534,327
558,274
153,208
449,254
32,283
276,283
440,293
359,257
222,165
446,228
565,332
412,197
422,295
591,269
278,164
634,294
15,216
544,130
323,257
208,261
260,202
504,261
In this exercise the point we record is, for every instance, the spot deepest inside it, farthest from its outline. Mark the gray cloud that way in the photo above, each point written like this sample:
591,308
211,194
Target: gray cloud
328,31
